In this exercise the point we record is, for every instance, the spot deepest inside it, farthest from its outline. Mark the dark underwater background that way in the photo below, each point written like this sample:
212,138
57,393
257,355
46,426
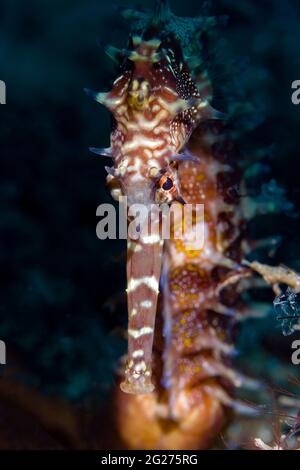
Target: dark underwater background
62,302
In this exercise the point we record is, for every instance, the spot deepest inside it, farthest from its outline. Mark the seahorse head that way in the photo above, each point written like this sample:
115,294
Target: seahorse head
156,105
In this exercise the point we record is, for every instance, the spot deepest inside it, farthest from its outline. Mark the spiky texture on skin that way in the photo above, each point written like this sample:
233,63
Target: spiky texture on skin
193,373
157,106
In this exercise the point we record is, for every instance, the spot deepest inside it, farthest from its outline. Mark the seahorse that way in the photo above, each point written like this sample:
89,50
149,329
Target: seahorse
156,105
170,146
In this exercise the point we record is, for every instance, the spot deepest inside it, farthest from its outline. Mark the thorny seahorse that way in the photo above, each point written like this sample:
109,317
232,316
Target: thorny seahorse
168,145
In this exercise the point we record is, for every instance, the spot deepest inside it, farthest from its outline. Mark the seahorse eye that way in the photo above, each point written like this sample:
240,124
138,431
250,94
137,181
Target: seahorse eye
168,184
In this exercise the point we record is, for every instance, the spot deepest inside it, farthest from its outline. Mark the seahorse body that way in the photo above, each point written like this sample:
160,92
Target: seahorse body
158,104
194,377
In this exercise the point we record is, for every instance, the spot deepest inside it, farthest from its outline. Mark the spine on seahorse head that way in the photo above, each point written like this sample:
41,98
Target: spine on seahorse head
156,106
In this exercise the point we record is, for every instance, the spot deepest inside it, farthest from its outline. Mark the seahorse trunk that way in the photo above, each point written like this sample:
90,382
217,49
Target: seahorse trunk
143,274
200,300
197,310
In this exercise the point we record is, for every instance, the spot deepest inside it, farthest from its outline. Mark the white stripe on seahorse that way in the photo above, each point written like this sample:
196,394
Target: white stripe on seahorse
138,353
145,330
150,239
149,281
143,142
146,304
